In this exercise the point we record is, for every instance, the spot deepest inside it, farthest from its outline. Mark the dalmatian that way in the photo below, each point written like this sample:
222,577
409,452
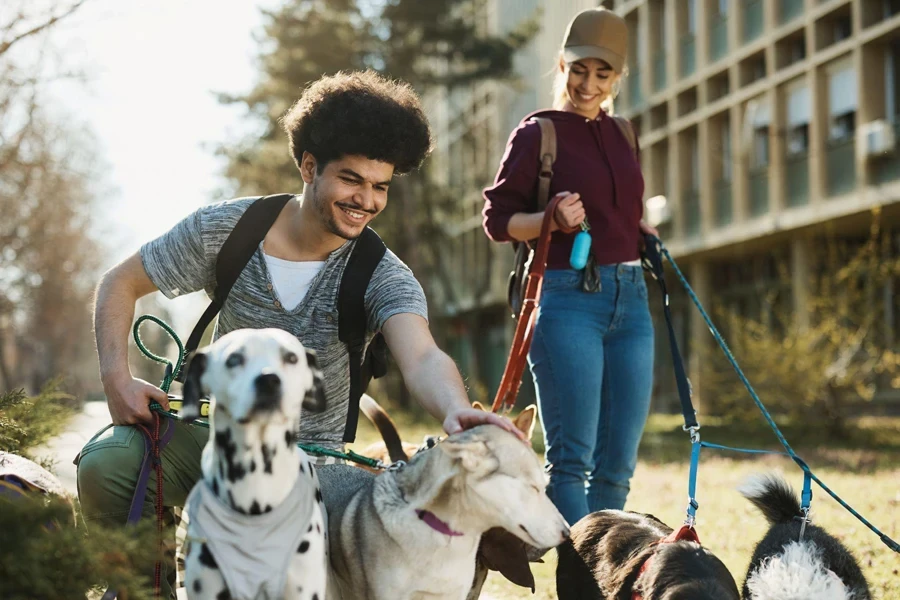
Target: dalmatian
257,520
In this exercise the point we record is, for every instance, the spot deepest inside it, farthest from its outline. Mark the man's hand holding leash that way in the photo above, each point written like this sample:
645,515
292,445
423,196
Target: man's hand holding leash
128,399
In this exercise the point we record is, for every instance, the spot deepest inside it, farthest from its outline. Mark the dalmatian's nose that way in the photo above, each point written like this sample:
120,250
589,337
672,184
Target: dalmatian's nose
268,390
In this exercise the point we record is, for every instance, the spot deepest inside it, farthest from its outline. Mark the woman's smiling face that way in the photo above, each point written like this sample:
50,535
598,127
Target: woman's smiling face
589,82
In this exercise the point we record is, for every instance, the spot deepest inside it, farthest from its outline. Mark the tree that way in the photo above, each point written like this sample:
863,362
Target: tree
301,41
49,259
815,370
437,46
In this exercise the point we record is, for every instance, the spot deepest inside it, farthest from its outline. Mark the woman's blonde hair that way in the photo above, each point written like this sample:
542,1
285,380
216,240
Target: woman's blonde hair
561,94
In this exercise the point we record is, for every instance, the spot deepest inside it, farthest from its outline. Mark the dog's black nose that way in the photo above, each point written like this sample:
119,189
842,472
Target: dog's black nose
268,383
268,391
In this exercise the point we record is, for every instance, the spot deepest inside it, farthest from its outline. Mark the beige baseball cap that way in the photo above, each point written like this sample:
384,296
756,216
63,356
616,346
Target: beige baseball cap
597,33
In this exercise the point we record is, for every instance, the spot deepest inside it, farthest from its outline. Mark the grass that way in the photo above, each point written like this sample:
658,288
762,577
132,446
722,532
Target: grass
864,469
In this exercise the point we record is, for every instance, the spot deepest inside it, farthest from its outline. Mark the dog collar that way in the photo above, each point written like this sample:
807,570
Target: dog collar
685,533
430,519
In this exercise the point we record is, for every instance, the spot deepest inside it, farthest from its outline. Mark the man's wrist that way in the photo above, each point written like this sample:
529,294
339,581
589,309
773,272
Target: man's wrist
454,407
112,377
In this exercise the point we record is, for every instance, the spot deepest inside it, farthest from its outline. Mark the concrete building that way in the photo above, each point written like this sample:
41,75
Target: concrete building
762,123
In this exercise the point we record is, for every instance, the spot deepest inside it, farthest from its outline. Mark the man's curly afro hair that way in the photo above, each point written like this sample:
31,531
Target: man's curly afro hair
359,113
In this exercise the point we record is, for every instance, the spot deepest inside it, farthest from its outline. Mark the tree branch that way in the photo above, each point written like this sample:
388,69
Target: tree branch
5,46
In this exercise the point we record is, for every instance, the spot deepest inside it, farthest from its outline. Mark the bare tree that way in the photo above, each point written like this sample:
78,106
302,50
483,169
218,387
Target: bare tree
48,258
24,20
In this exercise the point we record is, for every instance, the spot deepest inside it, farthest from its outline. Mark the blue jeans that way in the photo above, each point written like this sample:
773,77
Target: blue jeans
592,361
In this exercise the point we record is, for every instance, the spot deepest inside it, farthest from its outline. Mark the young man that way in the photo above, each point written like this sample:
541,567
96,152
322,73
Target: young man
349,134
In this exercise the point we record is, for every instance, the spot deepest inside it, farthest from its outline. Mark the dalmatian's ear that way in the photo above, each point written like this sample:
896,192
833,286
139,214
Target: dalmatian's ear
314,401
193,388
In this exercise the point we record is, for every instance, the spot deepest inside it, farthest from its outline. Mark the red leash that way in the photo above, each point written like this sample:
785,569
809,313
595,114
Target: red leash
153,445
518,354
153,437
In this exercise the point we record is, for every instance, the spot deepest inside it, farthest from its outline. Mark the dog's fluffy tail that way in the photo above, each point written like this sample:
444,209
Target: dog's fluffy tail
773,496
798,572
385,427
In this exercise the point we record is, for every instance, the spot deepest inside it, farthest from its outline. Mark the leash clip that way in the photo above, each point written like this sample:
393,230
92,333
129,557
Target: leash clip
694,431
804,519
691,519
395,466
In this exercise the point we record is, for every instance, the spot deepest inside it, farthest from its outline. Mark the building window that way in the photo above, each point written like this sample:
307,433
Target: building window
891,77
725,150
695,162
798,117
842,102
692,17
891,8
760,117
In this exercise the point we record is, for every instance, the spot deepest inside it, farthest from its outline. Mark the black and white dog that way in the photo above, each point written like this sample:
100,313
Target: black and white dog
257,522
616,555
786,567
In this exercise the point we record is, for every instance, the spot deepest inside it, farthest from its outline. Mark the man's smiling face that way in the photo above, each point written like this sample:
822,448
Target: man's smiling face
348,193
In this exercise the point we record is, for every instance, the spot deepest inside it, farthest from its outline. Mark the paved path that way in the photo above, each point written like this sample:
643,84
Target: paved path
64,447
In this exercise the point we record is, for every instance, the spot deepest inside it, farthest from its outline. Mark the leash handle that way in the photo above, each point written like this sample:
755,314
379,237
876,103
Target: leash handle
172,370
652,261
518,353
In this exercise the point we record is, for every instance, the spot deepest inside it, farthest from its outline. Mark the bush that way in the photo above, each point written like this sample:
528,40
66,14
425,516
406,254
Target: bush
42,553
813,370
27,422
43,556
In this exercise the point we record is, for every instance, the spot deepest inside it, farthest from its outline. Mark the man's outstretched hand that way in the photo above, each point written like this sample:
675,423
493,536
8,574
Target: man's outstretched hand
467,418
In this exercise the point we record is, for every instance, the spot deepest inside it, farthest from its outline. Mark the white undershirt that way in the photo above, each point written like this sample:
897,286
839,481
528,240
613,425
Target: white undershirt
291,279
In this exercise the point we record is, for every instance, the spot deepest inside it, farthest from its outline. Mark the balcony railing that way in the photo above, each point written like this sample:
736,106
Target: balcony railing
841,166
724,203
753,20
691,212
718,38
790,10
688,54
796,175
659,71
758,188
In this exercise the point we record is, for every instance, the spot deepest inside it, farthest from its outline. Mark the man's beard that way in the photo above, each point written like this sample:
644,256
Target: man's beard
326,215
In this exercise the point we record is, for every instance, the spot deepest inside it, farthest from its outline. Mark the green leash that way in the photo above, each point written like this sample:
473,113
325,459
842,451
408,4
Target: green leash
172,371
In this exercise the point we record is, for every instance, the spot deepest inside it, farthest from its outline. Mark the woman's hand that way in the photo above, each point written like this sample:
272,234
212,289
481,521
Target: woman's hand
645,229
569,212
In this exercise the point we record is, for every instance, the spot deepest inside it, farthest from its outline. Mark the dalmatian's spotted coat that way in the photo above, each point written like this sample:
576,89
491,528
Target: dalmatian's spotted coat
258,380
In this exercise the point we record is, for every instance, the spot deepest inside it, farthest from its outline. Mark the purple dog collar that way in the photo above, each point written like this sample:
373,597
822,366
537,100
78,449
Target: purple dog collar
430,519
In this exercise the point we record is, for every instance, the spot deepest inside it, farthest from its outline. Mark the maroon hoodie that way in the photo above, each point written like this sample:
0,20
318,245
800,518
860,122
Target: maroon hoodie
593,159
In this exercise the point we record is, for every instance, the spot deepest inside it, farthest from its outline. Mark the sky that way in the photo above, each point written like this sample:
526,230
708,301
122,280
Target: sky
153,68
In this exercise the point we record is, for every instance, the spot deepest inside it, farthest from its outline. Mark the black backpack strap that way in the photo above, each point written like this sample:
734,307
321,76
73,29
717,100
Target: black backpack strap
352,321
236,252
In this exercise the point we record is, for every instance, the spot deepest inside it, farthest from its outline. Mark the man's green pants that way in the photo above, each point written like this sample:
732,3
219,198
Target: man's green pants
108,468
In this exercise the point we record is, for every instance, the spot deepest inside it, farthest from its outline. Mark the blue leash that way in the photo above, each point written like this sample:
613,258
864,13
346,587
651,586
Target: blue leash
653,254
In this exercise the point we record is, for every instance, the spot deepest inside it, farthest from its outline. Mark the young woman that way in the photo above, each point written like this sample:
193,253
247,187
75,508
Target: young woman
592,351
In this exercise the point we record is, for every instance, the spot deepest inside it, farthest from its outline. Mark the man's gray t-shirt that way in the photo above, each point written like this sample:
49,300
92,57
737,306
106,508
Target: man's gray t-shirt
183,260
